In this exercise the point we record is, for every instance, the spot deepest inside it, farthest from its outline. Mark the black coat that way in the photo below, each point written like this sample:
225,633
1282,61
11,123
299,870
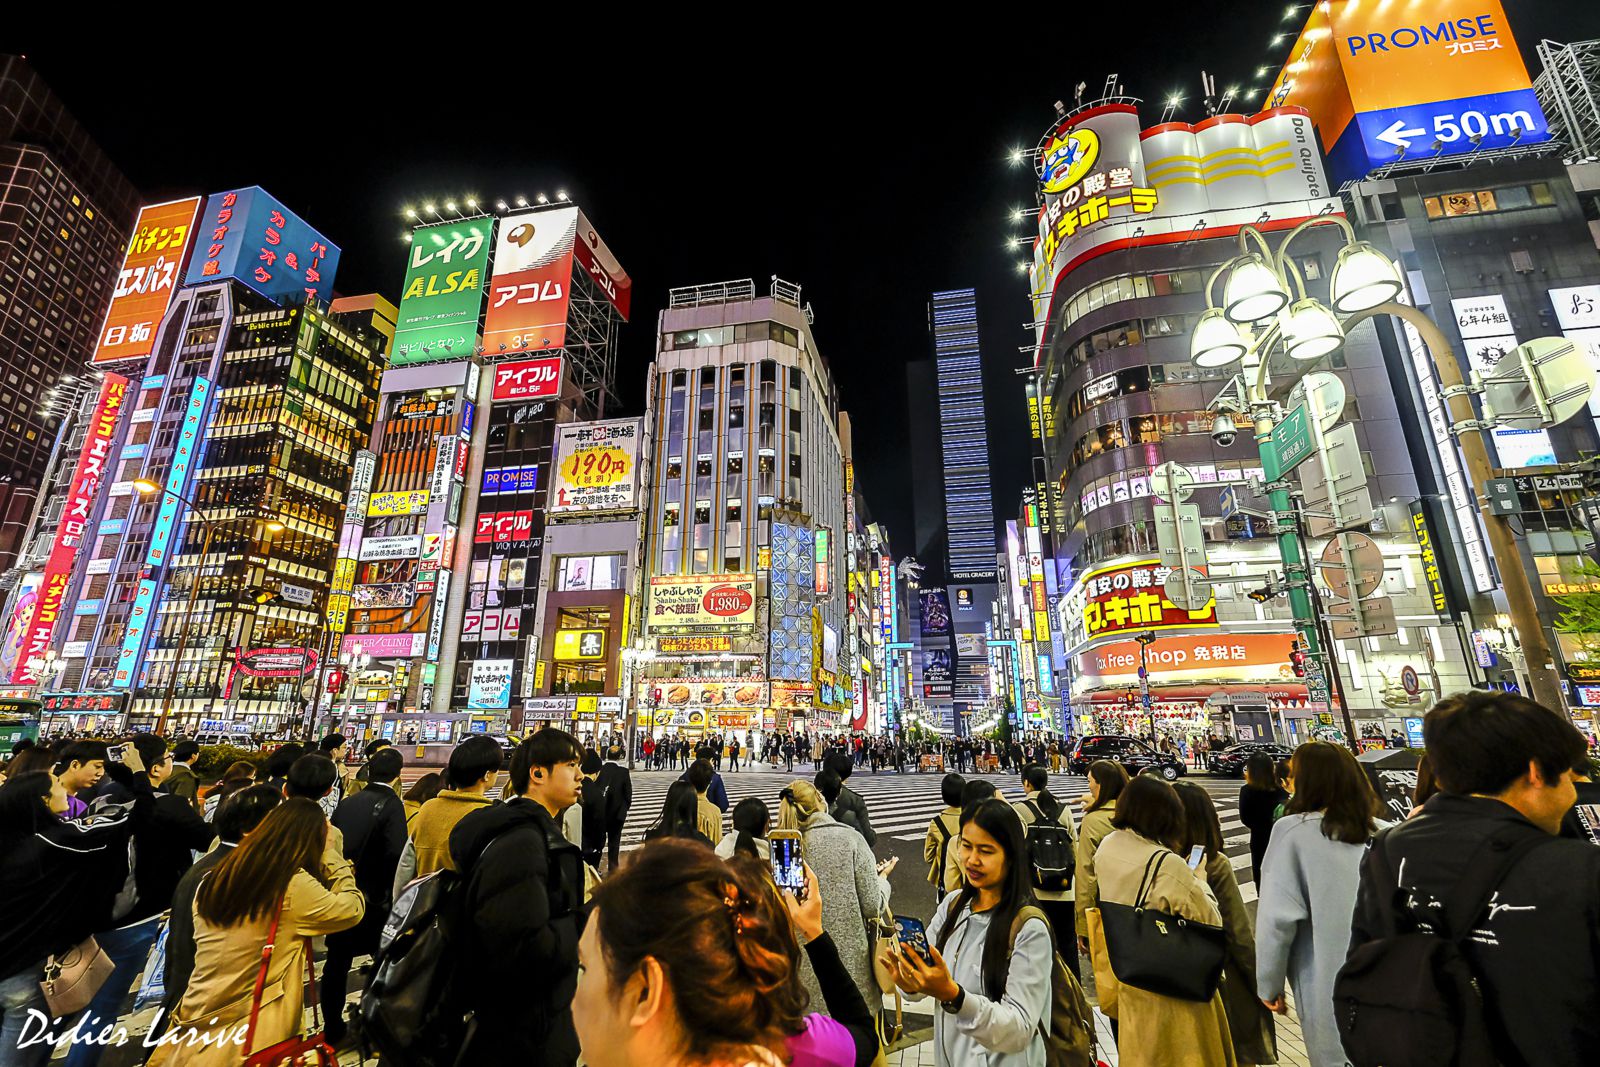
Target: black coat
524,891
373,823
180,929
1536,952
163,849
617,786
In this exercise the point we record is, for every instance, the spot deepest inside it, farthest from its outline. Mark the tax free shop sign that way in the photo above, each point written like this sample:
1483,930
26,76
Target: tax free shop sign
1392,83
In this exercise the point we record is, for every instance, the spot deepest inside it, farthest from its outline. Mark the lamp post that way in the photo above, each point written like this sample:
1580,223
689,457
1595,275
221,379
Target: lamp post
145,488
355,661
1365,284
632,659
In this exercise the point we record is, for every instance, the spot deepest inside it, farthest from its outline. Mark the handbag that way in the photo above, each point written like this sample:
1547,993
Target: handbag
72,978
301,1050
1161,952
1106,986
883,950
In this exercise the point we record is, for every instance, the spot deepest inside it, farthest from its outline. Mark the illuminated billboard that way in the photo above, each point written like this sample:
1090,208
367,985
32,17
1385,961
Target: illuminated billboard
597,466
1427,80
710,602
161,237
250,237
443,292
604,270
93,460
183,456
528,379
528,295
1127,598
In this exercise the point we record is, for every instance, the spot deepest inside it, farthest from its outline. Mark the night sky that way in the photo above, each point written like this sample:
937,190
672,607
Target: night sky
870,172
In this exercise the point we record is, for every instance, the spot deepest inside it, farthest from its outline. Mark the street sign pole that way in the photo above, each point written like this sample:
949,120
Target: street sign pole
1290,550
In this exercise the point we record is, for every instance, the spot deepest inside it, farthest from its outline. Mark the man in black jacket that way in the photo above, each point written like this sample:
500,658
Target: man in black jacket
1505,765
236,816
852,806
524,889
373,823
616,787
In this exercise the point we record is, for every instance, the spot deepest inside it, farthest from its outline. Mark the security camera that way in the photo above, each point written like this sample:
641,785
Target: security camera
1223,431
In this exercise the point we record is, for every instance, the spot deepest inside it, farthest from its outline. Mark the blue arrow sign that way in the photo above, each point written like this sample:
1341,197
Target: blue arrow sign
1230,501
1442,129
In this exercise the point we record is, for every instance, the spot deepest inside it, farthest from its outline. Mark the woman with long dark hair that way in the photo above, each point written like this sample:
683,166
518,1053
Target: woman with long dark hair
1308,890
1258,805
752,821
1139,860
1107,780
281,880
679,815
1249,1022
993,994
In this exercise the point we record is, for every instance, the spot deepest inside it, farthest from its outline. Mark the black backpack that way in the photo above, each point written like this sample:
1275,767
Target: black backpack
1410,998
408,1015
1050,851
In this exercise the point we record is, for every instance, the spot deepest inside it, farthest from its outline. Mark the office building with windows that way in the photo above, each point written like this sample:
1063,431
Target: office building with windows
65,213
745,585
963,435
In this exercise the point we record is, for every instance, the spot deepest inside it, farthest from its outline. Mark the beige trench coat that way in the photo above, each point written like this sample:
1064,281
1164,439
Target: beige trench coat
1158,1031
227,960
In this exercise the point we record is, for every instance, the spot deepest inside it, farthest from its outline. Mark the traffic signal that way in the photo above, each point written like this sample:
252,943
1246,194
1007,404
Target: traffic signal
655,697
1297,659
1265,593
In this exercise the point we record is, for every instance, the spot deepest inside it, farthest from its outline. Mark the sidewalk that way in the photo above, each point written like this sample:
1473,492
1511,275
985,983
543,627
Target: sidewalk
917,1049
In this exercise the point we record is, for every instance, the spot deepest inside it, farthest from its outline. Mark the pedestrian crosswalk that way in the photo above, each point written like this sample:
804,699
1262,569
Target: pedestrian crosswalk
901,805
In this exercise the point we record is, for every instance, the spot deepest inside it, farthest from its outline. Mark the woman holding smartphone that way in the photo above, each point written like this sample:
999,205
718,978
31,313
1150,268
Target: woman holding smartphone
854,893
992,982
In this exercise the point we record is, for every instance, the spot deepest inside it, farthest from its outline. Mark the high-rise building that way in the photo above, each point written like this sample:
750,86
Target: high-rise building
65,215
747,587
963,435
1119,281
507,335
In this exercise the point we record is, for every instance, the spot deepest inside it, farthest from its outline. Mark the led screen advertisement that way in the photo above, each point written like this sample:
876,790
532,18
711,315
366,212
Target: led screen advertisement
1430,79
528,295
161,238
249,236
443,292
935,612
94,459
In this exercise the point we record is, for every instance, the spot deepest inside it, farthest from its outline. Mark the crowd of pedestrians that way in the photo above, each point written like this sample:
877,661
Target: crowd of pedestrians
130,880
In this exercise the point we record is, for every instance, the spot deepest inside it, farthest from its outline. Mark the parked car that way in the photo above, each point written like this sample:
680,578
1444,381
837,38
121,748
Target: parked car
1230,761
1133,754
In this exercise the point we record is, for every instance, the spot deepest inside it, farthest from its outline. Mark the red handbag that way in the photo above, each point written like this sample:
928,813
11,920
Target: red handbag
302,1050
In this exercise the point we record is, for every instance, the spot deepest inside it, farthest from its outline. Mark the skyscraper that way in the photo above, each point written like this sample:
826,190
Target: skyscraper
65,213
969,509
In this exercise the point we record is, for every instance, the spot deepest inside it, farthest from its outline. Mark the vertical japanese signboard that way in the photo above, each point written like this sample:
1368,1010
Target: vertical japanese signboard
1488,338
149,275
528,295
190,433
87,477
443,292
350,534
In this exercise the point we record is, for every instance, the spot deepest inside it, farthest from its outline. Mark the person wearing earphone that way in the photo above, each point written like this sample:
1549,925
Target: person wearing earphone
523,893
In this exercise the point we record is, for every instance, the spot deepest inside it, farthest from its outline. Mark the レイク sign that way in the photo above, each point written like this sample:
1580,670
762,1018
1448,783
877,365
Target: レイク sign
86,481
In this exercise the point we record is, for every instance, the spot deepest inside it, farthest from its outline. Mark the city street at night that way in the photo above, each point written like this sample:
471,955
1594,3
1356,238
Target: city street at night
493,571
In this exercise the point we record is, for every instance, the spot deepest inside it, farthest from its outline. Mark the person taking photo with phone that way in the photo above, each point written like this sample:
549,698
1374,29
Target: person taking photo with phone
990,975
854,894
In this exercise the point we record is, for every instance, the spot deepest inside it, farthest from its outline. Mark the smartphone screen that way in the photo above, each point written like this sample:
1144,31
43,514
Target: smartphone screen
788,869
114,753
910,931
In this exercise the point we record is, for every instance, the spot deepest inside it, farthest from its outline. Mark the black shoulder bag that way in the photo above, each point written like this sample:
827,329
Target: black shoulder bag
1160,952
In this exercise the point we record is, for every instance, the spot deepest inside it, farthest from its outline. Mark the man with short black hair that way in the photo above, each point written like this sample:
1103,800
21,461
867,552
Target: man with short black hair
373,823
337,748
522,897
183,782
851,808
1505,765
473,768
80,766
715,792
708,816
616,787
236,816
